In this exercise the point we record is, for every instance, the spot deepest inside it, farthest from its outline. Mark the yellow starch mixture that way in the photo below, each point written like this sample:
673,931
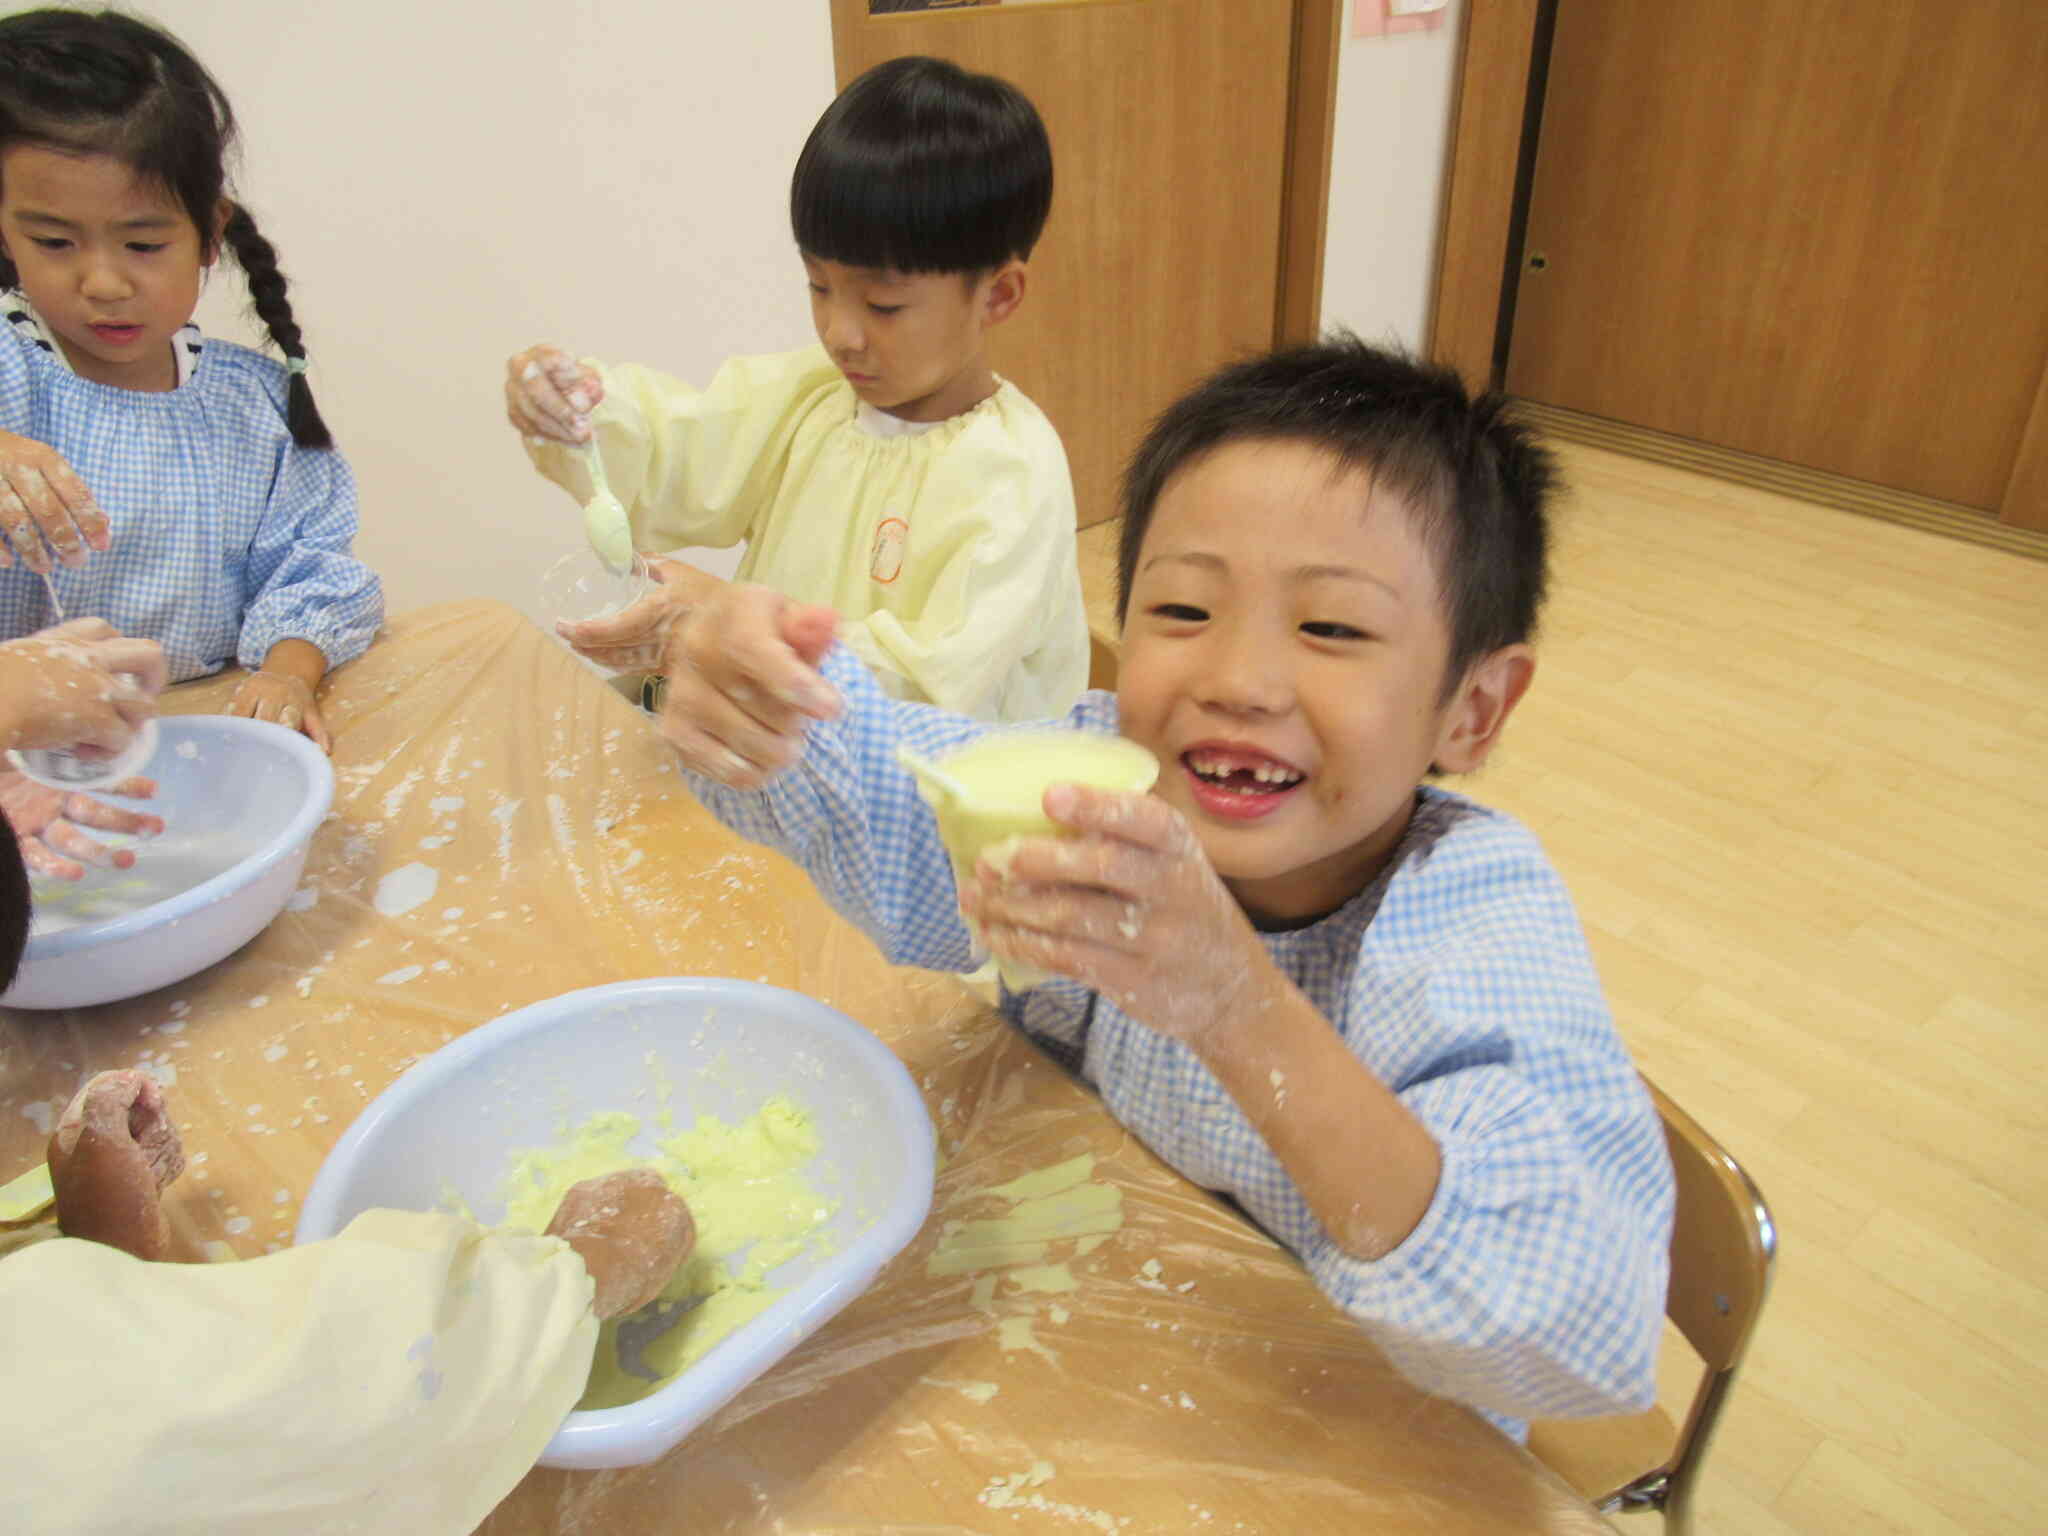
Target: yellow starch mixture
753,1209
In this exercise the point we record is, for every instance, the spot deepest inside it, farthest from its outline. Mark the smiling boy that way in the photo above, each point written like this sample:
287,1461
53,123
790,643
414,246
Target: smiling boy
1358,1004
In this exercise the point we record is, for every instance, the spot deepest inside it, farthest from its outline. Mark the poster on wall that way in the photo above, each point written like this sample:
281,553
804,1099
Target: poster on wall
1379,18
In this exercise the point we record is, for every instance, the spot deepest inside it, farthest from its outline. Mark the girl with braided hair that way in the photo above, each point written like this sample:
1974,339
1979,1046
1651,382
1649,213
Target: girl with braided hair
181,487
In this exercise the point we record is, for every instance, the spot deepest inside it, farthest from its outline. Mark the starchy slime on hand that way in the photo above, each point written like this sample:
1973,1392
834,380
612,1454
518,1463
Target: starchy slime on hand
753,1208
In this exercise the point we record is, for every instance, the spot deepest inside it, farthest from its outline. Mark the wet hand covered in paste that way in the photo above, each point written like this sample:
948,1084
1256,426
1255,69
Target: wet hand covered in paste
549,395
1127,903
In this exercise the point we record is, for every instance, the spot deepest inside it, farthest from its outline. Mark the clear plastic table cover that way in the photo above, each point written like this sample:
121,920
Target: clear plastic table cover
507,828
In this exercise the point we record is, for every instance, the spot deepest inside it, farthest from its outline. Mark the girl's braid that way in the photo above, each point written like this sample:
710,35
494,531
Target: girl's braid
258,258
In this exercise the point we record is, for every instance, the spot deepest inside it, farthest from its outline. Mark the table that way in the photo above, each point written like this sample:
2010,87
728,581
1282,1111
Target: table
1193,1380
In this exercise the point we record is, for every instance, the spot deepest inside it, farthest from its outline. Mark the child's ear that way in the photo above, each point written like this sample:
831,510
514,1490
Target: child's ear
1003,292
1476,713
222,212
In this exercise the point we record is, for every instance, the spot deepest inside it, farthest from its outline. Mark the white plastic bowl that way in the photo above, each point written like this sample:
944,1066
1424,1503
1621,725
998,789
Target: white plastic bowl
456,1120
240,801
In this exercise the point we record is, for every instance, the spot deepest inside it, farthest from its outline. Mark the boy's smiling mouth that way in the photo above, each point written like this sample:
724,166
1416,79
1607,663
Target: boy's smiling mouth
1238,782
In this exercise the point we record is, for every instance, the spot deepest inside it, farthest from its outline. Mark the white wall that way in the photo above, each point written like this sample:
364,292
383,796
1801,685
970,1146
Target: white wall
446,184
1387,176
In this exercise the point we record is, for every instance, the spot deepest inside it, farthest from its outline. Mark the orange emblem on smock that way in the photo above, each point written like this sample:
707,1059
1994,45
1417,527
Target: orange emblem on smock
892,537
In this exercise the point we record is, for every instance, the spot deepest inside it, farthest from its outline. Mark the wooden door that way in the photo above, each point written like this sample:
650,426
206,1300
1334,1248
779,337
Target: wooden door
1190,166
1812,230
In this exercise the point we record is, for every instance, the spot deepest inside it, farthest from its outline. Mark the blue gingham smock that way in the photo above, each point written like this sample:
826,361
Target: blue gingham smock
1534,1285
227,536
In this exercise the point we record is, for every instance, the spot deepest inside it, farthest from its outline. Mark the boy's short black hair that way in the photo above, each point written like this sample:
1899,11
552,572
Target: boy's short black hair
14,905
920,166
1479,481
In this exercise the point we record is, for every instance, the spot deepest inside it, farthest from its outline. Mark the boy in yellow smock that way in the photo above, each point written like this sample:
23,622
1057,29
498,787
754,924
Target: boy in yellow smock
887,471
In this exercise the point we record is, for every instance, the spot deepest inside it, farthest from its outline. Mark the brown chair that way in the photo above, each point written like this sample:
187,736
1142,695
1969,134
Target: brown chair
1722,1245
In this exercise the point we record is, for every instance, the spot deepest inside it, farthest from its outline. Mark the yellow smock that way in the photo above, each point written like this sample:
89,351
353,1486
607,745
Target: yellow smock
399,1377
949,553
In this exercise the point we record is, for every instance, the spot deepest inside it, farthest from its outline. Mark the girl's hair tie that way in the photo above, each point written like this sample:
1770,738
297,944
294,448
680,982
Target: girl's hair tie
295,365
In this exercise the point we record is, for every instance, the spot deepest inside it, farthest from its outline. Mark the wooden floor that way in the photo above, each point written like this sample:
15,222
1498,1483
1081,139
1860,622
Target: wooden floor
1794,764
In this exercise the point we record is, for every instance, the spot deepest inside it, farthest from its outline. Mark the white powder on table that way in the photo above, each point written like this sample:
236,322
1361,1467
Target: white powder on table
396,795
503,815
403,889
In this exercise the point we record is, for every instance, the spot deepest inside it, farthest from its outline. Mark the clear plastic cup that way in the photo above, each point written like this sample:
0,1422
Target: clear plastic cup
67,769
578,587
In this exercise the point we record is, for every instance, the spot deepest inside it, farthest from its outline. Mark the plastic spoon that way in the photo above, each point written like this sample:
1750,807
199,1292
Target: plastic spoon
605,522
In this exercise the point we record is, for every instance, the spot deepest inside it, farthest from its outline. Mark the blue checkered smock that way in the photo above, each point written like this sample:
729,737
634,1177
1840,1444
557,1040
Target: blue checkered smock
227,536
1534,1285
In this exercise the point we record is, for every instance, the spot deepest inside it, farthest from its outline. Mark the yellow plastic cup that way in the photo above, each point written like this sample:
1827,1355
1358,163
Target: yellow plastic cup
990,794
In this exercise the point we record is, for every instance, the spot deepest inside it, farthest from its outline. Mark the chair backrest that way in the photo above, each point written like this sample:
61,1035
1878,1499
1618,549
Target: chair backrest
1723,1243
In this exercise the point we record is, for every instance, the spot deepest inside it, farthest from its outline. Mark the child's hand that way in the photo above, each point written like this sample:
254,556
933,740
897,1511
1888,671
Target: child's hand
81,684
549,394
41,497
632,1233
112,1154
1132,907
634,639
743,679
49,824
284,699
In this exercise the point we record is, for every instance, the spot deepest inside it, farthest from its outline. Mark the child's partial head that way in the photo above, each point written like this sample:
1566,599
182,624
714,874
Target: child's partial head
114,145
916,203
1331,565
15,910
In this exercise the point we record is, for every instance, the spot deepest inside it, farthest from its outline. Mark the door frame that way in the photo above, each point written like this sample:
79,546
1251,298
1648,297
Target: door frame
1497,113
1311,138
1503,69
1305,175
